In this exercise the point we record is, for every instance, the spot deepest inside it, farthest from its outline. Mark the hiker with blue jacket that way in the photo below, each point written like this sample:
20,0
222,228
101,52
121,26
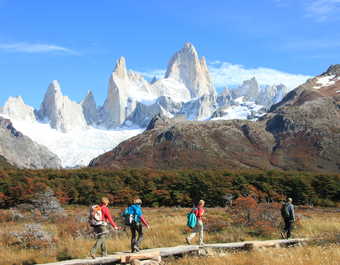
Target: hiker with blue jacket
288,215
199,212
136,225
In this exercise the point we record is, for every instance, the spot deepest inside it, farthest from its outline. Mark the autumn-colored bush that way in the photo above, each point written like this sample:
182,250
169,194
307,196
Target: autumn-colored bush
262,219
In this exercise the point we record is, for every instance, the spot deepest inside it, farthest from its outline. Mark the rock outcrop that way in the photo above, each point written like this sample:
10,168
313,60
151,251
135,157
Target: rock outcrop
4,164
21,151
90,109
125,89
62,113
16,108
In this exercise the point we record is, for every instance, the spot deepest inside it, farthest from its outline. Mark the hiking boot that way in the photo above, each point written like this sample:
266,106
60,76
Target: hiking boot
283,235
187,240
135,250
93,256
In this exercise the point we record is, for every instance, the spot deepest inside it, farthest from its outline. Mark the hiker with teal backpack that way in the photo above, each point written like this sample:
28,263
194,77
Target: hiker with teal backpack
195,222
133,217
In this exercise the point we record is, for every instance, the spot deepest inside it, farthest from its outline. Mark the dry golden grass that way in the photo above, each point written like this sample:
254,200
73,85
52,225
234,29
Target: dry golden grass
329,255
168,229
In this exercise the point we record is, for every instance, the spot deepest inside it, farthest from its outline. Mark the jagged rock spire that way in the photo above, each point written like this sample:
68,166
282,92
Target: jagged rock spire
185,66
89,108
62,113
120,68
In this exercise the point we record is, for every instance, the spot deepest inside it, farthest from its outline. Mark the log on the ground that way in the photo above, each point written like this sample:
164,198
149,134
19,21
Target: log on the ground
258,244
127,258
181,250
153,261
109,260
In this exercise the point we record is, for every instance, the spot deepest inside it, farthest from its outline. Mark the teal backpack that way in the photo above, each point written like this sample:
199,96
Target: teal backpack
192,219
129,218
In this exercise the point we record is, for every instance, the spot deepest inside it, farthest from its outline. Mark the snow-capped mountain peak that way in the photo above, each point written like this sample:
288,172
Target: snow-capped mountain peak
186,67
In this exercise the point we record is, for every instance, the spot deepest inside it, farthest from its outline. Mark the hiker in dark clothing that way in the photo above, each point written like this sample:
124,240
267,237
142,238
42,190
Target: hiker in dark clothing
288,215
137,225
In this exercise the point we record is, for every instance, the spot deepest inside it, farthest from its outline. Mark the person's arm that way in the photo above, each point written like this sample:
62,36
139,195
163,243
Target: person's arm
292,212
107,216
144,221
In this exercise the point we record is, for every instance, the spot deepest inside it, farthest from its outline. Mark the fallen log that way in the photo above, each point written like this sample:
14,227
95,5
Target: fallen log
181,250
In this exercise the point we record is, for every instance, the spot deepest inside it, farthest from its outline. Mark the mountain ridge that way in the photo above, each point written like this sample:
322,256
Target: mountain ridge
302,132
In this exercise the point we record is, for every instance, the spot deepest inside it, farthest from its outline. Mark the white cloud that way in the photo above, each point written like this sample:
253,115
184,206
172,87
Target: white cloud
227,74
34,48
322,10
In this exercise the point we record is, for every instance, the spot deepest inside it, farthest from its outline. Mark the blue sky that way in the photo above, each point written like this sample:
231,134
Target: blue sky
77,42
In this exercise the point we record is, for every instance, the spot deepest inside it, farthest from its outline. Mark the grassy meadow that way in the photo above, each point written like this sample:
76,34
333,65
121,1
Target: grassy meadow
69,236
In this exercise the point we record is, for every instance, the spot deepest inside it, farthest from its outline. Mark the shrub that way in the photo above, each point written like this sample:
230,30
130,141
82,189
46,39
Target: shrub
33,236
261,219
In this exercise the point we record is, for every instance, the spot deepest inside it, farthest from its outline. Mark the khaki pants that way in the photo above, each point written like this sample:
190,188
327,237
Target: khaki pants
197,229
101,233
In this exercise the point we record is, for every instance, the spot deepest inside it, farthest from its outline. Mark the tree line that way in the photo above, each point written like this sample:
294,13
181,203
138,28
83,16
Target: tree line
168,188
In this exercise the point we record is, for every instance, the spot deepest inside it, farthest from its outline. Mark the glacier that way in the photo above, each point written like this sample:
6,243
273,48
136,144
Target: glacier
77,147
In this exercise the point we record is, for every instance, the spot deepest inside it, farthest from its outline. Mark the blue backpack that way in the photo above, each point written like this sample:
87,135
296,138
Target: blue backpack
129,217
192,219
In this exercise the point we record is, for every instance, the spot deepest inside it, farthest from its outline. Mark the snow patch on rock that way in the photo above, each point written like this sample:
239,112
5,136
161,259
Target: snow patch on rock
325,81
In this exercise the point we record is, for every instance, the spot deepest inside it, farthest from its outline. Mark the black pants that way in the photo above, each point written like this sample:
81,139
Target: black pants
136,236
288,227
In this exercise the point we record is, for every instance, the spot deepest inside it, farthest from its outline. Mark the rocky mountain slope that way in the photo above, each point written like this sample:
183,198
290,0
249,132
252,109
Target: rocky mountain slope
21,151
302,132
4,163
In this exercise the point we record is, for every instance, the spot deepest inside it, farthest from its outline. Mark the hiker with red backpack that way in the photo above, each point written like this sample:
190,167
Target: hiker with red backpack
196,225
99,218
133,217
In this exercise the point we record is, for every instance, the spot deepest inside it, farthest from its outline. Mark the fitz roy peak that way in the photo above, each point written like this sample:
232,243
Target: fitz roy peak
186,67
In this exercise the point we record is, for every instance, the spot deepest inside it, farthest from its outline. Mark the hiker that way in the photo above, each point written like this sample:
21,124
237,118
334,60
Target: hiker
288,215
136,225
99,218
199,212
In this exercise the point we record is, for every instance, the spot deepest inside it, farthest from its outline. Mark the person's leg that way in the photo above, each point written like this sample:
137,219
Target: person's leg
289,229
133,237
103,242
201,227
97,230
140,235
195,230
